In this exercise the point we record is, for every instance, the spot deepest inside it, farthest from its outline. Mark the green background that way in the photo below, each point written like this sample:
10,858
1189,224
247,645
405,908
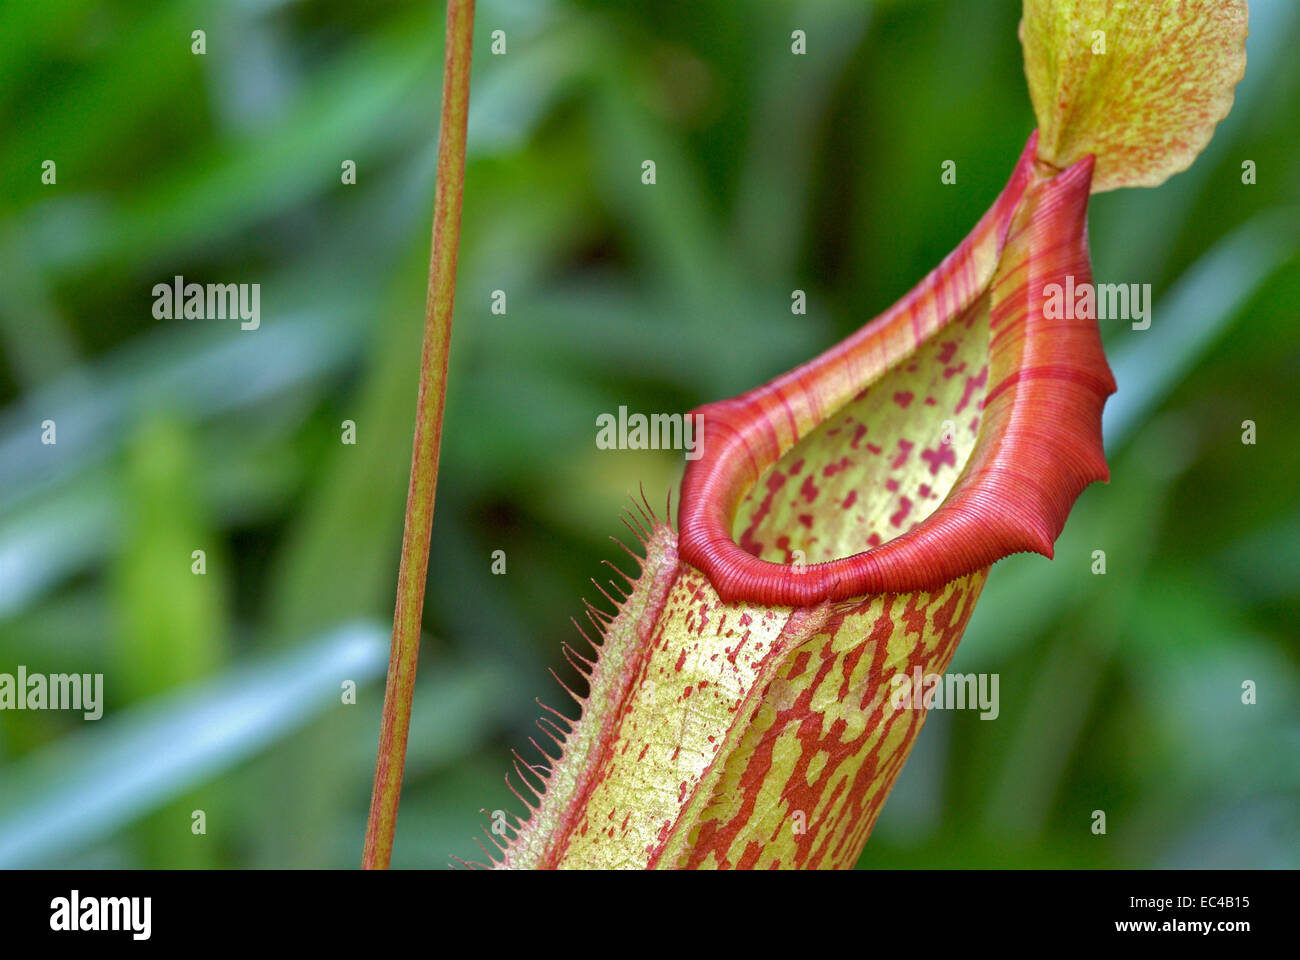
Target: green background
775,172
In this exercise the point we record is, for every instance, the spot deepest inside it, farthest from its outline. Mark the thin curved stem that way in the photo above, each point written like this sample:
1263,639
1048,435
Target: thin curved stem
413,572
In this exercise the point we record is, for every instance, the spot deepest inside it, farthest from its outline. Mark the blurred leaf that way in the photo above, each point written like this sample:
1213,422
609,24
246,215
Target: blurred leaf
95,782
1197,310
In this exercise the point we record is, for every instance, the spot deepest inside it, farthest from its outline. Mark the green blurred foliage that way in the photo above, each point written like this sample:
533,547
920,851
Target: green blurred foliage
774,172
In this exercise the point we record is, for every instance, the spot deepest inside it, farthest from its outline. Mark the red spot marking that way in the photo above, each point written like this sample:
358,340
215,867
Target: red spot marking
904,448
750,857
950,372
641,756
931,402
747,542
873,448
975,422
806,519
904,508
949,349
833,468
809,489
925,490
850,500
904,398
687,692
914,617
681,661
858,434
971,384
938,457
796,466
891,485
873,540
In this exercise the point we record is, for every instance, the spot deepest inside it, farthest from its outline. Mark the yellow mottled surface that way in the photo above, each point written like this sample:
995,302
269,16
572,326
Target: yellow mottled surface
736,735
692,683
883,462
805,781
1139,83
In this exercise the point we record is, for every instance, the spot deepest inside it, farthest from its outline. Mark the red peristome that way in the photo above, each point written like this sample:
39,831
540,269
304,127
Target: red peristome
1039,442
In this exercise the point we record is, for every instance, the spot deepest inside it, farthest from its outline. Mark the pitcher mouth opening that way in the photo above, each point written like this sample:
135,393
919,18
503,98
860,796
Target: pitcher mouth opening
881,465
953,430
